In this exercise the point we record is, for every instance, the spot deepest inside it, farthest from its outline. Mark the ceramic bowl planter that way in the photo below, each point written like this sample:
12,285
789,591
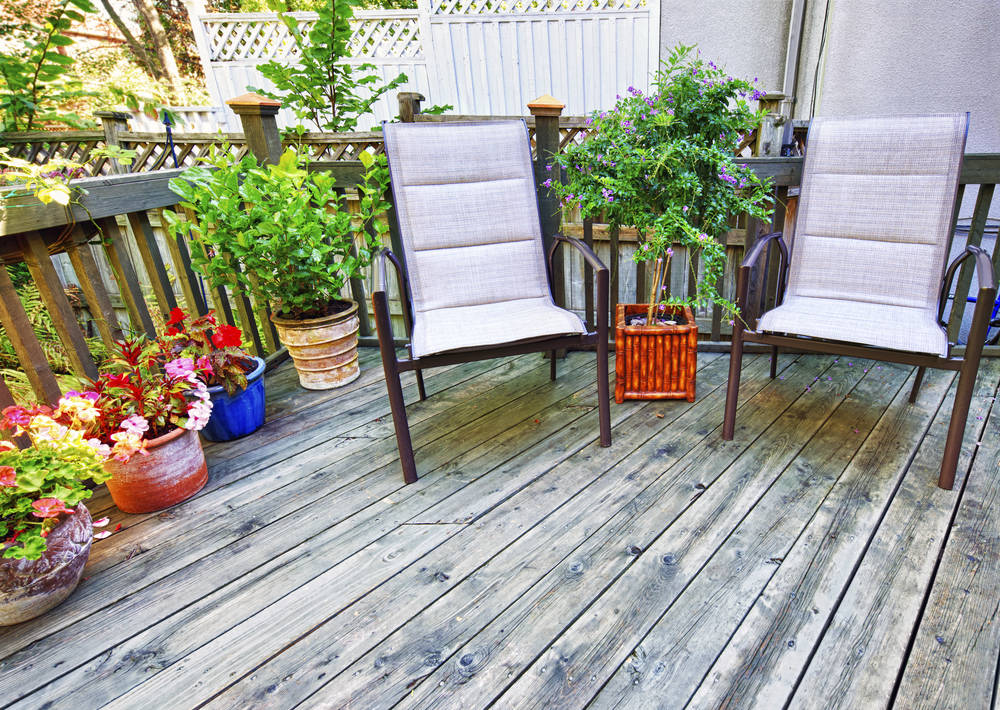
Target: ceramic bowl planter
240,414
324,350
173,470
29,588
655,361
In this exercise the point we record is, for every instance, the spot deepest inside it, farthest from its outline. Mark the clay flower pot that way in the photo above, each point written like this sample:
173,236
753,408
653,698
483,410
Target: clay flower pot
29,588
173,470
324,350
655,361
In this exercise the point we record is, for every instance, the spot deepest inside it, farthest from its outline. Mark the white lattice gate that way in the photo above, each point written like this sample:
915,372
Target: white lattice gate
480,56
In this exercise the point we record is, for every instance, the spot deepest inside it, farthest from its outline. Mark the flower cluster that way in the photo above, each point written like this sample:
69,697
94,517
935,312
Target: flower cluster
665,163
44,481
215,349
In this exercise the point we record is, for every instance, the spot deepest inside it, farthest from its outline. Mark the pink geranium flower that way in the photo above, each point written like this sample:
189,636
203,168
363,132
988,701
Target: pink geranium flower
49,508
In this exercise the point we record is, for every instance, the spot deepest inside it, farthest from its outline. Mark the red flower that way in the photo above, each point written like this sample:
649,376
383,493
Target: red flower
226,336
15,417
173,331
7,477
49,508
176,316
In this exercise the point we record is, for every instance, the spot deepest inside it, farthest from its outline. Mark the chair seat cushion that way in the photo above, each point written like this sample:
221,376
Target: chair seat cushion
490,324
877,324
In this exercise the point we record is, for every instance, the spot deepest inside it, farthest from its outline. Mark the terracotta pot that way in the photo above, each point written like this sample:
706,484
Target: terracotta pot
173,471
324,350
29,588
655,361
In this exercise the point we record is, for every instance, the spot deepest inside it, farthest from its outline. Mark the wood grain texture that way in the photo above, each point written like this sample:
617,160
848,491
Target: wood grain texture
92,284
22,337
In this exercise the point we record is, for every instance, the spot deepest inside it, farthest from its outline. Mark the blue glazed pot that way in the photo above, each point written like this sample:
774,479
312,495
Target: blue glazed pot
242,414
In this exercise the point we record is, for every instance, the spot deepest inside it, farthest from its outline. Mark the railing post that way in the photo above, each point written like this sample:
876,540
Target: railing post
257,114
114,124
770,132
409,105
546,111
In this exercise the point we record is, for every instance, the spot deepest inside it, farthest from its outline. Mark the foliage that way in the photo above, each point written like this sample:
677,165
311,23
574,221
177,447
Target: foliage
281,231
320,87
39,483
665,164
50,181
203,337
144,392
39,80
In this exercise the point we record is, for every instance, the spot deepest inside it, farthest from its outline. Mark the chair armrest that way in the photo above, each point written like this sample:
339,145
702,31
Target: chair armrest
380,296
587,252
382,255
758,248
984,275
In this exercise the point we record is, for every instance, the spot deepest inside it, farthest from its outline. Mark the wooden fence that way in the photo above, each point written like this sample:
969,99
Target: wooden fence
112,230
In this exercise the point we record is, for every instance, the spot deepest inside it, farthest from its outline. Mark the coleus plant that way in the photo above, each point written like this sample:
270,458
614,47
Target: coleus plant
220,344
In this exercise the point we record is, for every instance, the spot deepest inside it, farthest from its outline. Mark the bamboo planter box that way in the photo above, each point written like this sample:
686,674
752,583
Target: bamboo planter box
655,361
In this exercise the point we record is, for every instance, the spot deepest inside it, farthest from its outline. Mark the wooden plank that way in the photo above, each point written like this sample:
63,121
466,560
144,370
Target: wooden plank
128,280
92,284
22,337
766,656
263,311
588,276
614,266
864,645
591,648
220,298
104,197
954,654
36,257
182,267
294,513
149,250
964,282
672,659
294,670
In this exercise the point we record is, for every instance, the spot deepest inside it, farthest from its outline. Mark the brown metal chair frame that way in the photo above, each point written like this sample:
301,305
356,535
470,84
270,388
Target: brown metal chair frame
966,366
394,366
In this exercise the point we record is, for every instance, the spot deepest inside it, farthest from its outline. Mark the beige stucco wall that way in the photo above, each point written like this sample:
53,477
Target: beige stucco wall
880,56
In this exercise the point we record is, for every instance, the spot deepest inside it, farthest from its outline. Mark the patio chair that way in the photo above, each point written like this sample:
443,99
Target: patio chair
472,276
864,274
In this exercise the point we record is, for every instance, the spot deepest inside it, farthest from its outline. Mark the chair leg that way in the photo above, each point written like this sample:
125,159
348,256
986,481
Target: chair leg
603,391
552,365
420,385
394,387
956,428
774,361
733,387
916,384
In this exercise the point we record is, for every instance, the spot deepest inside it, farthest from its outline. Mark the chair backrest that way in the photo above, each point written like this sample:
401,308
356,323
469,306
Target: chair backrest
468,212
876,206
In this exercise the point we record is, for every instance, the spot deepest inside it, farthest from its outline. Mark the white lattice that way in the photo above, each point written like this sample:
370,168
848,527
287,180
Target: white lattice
516,7
263,37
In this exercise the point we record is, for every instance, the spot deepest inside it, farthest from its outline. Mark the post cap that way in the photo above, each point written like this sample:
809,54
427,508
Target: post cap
254,104
116,115
546,105
412,95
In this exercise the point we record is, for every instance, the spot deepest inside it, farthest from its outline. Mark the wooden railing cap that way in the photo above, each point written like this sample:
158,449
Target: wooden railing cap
252,103
546,105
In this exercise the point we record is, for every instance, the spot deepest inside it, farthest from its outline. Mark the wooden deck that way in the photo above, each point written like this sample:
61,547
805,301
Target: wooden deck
811,562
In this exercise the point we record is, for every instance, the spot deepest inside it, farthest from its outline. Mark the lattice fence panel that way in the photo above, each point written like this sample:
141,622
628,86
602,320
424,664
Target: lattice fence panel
41,147
517,7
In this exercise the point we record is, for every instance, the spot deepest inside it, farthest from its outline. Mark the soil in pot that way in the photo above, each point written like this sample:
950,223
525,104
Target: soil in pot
29,588
240,414
173,470
325,349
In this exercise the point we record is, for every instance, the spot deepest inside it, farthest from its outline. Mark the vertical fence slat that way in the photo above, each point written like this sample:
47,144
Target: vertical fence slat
128,280
145,240
220,299
263,312
22,336
36,256
92,285
185,276
613,266
976,229
641,292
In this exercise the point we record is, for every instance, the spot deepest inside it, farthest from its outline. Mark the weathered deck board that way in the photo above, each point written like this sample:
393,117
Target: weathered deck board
530,567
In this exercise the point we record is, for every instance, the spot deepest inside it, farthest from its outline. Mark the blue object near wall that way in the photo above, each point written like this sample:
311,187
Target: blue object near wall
239,415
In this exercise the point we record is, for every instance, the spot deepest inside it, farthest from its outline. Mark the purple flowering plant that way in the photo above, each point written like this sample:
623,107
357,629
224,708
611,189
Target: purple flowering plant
665,163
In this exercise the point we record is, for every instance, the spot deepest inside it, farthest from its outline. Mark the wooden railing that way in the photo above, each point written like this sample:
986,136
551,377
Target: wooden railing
131,273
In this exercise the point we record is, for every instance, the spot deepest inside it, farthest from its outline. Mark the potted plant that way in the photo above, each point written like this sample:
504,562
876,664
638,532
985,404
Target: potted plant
152,406
285,235
665,164
45,529
235,378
